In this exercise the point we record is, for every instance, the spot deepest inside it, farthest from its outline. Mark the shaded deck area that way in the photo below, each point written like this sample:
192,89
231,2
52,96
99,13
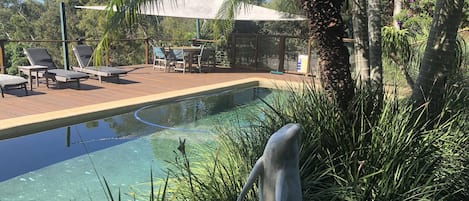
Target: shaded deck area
140,81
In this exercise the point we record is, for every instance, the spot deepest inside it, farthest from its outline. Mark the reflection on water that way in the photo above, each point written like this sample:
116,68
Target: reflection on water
191,111
65,163
24,154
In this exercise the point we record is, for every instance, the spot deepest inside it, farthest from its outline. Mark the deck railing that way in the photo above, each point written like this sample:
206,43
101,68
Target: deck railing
253,51
55,53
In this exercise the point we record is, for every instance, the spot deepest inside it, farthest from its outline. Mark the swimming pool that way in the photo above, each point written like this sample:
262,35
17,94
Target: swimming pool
68,163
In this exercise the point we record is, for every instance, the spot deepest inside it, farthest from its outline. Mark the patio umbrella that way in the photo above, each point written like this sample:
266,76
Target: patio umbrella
208,9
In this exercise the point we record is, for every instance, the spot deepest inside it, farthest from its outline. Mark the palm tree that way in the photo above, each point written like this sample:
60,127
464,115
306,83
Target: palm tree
327,30
439,58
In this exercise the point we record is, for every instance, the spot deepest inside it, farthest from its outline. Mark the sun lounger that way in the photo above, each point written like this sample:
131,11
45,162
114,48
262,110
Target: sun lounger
83,53
40,56
11,81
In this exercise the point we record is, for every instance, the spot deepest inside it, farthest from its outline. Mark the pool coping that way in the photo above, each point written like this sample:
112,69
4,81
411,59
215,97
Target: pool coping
19,126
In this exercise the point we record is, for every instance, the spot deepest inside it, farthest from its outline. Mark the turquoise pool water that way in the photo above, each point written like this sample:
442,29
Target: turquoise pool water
69,163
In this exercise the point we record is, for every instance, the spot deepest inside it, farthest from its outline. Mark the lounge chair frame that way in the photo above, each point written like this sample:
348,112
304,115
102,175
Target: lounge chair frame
84,53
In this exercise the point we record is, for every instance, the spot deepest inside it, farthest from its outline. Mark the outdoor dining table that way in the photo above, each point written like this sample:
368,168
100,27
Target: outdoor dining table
188,53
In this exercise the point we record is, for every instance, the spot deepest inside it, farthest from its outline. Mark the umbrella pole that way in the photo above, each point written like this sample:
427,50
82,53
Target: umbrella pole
64,34
197,28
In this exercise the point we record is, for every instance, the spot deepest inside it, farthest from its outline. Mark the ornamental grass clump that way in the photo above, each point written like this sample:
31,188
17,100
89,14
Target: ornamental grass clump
394,155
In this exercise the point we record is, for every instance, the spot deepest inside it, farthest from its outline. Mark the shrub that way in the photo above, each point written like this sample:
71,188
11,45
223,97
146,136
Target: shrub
343,156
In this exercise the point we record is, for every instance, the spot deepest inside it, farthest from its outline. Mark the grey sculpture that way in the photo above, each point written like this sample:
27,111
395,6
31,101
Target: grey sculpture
278,167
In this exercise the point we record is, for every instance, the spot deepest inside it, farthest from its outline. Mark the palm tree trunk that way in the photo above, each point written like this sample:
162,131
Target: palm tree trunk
439,58
327,30
361,46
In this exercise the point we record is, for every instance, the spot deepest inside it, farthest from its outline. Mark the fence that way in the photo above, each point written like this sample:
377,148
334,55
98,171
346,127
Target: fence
288,54
112,56
255,52
268,52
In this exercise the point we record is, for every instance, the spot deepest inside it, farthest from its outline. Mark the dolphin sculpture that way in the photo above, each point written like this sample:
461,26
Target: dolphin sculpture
278,167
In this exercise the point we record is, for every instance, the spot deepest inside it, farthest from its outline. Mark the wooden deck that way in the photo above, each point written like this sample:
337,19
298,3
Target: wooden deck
140,81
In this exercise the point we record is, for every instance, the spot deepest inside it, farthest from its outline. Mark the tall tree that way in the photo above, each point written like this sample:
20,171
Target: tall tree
395,12
439,58
361,44
17,19
327,30
5,26
376,68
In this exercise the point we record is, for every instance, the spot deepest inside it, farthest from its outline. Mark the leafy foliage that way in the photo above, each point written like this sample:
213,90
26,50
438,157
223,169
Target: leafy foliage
339,160
396,42
33,20
404,49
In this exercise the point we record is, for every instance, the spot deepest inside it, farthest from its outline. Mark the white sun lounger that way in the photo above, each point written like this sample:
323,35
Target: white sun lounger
11,81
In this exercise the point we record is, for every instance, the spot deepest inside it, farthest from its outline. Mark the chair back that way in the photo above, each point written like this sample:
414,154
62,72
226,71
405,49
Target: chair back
158,53
83,53
206,53
202,47
39,56
176,54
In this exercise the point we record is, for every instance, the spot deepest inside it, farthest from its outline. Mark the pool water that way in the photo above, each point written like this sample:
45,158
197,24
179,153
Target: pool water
69,163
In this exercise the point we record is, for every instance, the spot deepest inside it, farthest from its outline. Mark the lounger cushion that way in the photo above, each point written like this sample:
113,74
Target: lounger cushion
105,69
40,56
11,80
84,53
68,74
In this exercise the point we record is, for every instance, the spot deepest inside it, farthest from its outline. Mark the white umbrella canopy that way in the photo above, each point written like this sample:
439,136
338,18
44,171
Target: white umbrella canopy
208,9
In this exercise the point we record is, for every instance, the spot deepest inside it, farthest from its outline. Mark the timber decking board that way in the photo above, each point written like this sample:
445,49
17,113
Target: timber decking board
140,81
